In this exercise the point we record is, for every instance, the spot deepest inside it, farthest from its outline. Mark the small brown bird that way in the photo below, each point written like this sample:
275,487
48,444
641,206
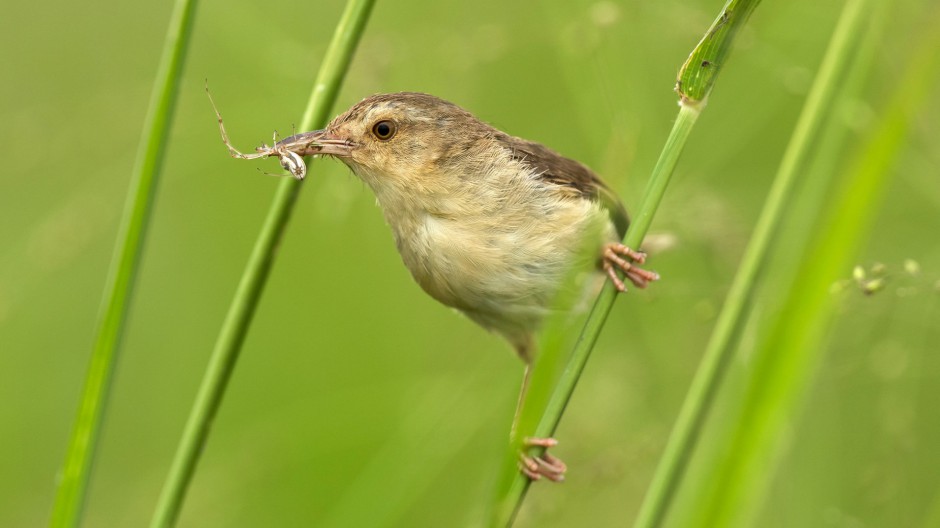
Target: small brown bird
487,223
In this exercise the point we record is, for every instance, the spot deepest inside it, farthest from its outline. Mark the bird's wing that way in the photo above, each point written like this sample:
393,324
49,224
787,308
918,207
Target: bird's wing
560,170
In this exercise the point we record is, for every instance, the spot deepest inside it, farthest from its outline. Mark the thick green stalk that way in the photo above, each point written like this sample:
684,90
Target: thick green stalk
695,82
705,384
224,356
73,481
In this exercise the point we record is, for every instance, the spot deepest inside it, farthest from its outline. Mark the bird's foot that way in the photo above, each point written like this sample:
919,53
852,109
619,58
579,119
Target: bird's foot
614,254
544,465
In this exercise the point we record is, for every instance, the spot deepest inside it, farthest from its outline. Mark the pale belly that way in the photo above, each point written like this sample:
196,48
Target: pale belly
505,275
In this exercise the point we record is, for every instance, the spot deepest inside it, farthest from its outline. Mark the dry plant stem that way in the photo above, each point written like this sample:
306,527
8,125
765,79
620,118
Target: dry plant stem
73,480
238,320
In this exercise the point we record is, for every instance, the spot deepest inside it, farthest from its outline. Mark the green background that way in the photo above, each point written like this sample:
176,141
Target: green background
358,401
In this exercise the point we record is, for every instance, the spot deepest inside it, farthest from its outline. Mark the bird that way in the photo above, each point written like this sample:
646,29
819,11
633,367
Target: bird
487,223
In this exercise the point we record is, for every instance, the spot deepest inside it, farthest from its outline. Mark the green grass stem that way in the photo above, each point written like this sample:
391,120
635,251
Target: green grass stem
695,82
515,485
128,250
225,354
708,377
790,353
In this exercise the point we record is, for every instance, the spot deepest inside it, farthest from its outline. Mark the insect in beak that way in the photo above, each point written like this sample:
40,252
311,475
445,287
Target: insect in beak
292,163
291,150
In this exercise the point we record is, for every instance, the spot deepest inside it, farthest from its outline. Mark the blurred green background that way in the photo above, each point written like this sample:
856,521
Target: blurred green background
358,401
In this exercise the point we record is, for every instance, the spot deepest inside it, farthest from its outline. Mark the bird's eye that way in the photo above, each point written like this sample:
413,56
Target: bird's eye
384,130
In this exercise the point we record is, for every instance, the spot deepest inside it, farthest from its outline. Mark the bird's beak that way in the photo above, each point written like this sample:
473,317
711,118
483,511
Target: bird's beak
316,143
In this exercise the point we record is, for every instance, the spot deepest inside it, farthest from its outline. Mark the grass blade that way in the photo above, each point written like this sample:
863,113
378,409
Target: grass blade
790,353
224,356
710,372
695,82
73,483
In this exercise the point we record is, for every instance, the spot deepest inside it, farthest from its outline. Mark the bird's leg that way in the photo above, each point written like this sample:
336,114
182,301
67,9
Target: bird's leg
544,465
613,260
520,401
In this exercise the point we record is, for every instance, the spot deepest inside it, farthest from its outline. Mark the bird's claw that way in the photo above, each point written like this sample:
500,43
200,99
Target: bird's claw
544,465
614,254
